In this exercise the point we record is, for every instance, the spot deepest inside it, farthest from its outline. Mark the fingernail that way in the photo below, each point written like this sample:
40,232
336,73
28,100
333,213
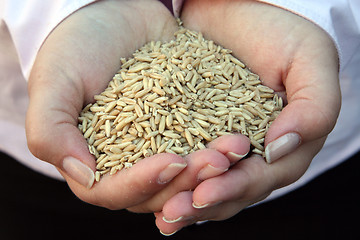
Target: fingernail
210,171
282,146
200,206
235,157
173,221
168,234
171,171
79,171
205,205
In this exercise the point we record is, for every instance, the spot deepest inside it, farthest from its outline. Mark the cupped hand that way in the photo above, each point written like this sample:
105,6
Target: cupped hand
294,57
76,62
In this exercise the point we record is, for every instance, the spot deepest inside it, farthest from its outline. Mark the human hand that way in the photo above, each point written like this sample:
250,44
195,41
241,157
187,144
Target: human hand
292,56
75,63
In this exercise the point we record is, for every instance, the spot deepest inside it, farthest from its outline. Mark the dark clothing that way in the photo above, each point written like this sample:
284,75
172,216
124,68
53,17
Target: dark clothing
35,206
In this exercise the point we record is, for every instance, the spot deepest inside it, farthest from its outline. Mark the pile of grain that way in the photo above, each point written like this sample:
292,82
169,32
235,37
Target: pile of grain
175,97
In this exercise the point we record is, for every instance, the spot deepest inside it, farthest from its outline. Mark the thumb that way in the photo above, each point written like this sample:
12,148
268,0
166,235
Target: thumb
314,99
51,129
76,62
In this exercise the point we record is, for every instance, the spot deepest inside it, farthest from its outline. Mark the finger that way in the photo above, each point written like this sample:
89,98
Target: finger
253,178
313,96
132,186
241,178
51,129
234,147
201,165
310,114
176,214
169,229
192,215
246,183
179,208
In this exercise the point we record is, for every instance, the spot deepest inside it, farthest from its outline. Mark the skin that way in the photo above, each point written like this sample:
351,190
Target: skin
80,56
292,56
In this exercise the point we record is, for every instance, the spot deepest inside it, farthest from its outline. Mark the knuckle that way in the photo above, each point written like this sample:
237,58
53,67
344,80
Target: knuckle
36,144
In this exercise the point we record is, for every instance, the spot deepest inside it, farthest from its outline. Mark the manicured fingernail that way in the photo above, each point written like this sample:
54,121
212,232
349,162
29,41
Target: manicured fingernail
282,146
173,221
204,205
210,171
79,171
233,157
171,171
200,206
168,234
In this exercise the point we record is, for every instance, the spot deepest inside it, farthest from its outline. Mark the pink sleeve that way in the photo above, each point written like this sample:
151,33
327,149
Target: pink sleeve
339,18
30,22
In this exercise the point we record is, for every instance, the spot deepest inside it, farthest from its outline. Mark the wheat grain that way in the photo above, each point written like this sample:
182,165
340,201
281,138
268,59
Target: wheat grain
175,97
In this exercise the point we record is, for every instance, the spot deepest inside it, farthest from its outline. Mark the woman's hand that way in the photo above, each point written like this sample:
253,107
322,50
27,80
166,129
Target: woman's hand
292,56
76,62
